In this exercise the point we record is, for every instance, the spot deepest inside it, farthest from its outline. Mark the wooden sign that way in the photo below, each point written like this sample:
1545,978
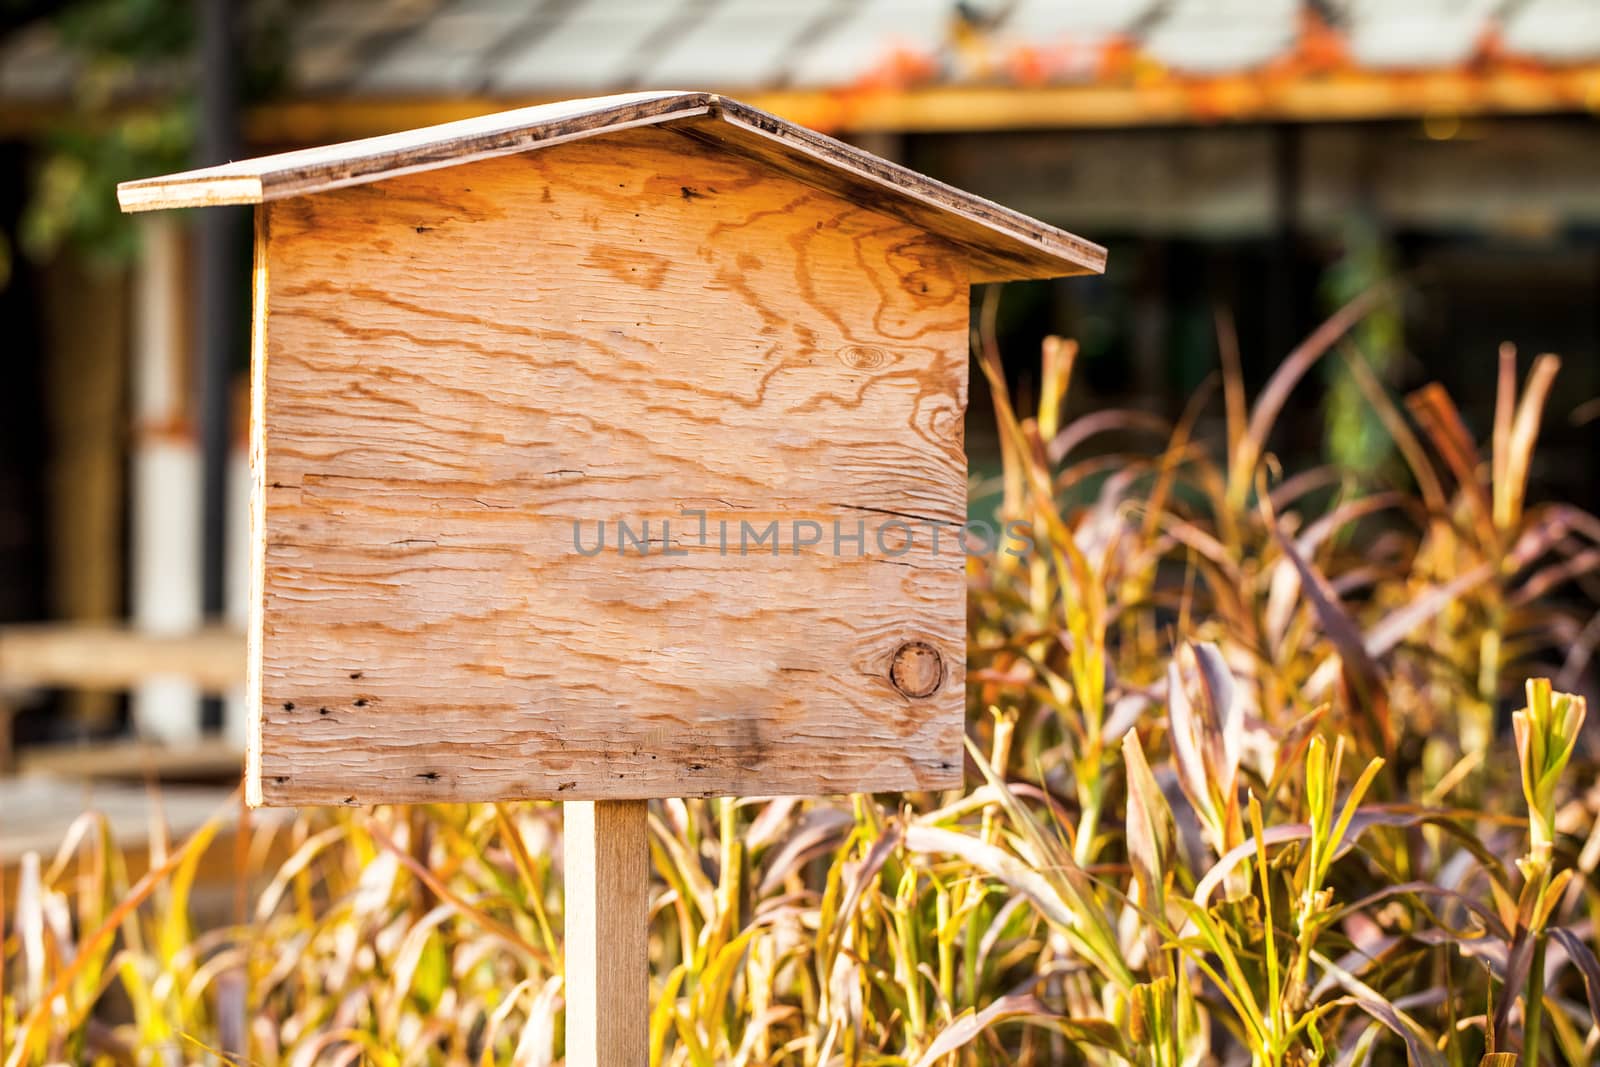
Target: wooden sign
600,452
604,451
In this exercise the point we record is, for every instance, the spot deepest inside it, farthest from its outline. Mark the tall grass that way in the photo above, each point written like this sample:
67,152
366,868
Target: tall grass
1239,792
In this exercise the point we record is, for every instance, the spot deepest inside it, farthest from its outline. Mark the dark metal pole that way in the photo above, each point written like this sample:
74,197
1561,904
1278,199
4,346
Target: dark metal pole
216,288
1285,300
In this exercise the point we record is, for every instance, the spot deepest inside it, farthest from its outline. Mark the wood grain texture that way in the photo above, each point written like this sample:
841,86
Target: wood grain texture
998,243
459,365
606,862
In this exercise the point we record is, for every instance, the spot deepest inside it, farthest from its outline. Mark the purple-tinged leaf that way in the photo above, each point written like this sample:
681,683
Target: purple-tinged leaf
1225,717
818,832
1583,959
1362,676
1294,367
997,863
877,856
1514,979
1100,1033
1104,421
1419,1048
1185,729
1364,818
1149,823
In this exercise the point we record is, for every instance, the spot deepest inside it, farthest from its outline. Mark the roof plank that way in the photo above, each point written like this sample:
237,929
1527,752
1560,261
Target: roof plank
1000,244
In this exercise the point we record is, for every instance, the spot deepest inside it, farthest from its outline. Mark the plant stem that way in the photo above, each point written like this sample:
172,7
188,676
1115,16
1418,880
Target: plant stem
1533,1010
1091,800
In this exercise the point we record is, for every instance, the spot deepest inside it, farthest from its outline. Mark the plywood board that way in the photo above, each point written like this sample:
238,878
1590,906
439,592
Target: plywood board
455,367
998,244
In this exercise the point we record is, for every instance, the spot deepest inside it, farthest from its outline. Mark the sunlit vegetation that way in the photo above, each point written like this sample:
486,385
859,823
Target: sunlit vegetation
1247,783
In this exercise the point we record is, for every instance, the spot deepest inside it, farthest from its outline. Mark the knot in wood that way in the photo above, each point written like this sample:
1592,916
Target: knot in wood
917,670
863,357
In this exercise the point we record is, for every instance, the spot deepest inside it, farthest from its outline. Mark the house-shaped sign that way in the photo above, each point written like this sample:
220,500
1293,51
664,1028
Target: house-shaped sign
609,449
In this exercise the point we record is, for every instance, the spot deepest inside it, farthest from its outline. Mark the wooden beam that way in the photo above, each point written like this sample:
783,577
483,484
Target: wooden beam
126,760
1353,95
1345,96
86,386
113,657
607,861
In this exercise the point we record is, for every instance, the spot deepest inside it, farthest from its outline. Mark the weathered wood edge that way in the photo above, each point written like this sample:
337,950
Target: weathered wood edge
1022,247
1088,256
316,170
258,510
202,190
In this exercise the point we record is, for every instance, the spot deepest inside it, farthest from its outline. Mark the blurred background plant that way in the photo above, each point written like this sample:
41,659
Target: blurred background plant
131,111
96,142
1355,436
1241,789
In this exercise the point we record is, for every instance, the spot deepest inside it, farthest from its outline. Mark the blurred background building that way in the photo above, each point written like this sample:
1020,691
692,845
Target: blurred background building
1252,164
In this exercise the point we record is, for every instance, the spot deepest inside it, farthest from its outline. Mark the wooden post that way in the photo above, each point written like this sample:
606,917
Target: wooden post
607,860
164,512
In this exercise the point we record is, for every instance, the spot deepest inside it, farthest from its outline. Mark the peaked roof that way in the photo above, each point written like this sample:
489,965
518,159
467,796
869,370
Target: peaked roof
1000,244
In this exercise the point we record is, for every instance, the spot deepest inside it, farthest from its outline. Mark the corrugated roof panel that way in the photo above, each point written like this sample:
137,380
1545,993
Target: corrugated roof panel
330,41
321,67
447,52
1223,36
1061,42
360,16
1556,31
521,8
1045,22
742,44
591,48
1417,34
870,35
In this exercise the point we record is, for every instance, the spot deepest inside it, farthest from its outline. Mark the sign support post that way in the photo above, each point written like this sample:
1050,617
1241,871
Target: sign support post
607,862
